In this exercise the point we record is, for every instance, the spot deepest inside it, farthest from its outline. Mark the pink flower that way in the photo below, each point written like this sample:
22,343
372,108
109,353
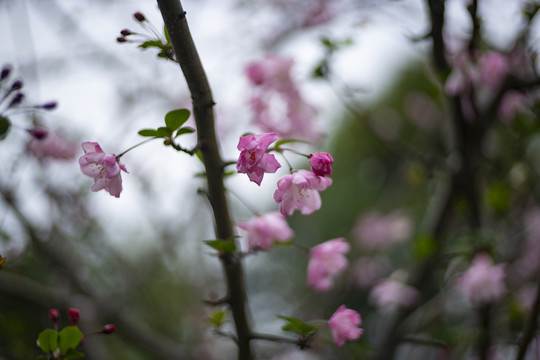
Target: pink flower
344,325
326,261
74,315
262,231
375,231
50,144
272,72
512,103
104,168
493,68
300,191
253,160
391,293
321,163
483,282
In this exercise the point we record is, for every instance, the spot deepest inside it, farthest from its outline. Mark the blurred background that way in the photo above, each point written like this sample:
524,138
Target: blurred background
140,262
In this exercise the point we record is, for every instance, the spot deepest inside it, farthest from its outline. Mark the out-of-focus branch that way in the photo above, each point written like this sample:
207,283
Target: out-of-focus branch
530,326
436,13
186,53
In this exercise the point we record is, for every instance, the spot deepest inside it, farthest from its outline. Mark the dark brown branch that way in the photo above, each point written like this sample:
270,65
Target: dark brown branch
176,24
436,13
530,327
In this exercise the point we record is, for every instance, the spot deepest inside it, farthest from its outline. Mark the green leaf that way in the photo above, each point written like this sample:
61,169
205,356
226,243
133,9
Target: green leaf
424,246
176,118
498,197
223,246
164,132
297,326
217,318
166,33
5,125
149,133
199,155
73,354
70,338
184,130
48,340
151,43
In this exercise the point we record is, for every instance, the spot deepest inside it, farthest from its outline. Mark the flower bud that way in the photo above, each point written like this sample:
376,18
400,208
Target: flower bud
126,32
54,314
139,17
108,329
6,70
74,315
16,100
16,85
121,39
49,106
38,132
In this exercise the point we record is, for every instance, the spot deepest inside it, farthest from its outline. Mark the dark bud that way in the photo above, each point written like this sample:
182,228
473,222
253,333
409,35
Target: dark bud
39,133
74,315
6,70
108,329
18,84
126,32
16,100
54,314
49,106
139,17
121,39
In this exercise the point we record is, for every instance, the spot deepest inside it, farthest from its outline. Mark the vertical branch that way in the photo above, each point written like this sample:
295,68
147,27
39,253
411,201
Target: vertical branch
530,326
436,13
175,22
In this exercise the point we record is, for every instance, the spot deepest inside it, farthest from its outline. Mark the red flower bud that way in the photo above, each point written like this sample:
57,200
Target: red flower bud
74,315
121,39
139,17
6,70
54,314
126,32
108,329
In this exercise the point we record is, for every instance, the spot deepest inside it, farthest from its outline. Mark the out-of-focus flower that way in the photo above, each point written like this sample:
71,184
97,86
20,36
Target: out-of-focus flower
300,191
103,168
367,270
50,144
318,13
390,293
276,102
493,67
512,103
483,282
326,261
263,230
108,329
54,315
253,160
344,325
74,315
375,231
321,163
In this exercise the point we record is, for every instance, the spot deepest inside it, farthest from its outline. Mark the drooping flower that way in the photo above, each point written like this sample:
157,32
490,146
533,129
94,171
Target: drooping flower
326,261
321,163
300,191
483,282
105,169
263,231
391,293
50,144
253,159
344,325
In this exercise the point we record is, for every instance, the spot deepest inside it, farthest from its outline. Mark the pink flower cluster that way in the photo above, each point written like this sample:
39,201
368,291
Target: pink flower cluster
105,169
263,231
483,282
326,261
374,231
344,325
277,103
300,191
253,160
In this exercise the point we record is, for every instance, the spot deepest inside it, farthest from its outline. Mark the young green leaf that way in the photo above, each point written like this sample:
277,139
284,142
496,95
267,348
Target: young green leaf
166,33
164,131
286,141
224,246
151,43
149,132
297,326
217,318
69,338
184,130
176,118
48,340
5,124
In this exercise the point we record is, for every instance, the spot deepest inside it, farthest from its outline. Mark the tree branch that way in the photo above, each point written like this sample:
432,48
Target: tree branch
174,17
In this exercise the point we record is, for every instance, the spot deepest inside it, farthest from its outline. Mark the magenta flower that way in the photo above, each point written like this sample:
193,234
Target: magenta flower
344,325
321,163
326,261
483,282
300,191
262,231
104,168
74,315
253,160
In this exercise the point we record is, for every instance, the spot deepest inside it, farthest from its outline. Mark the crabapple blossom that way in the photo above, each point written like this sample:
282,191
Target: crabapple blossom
493,67
483,282
326,261
271,72
50,144
390,293
344,325
253,159
321,163
263,230
375,231
300,191
74,315
104,168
